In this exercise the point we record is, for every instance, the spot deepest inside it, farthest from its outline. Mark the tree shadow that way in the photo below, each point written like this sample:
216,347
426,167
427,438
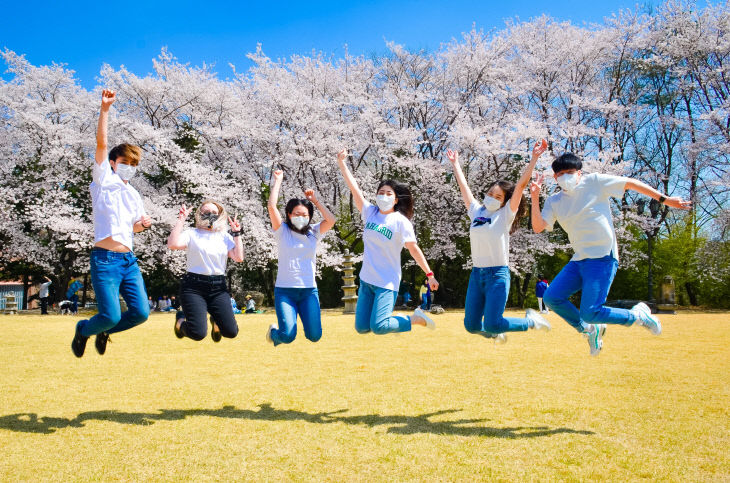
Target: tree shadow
396,424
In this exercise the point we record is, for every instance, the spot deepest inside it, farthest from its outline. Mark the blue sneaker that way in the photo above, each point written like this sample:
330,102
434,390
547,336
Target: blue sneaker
595,338
645,319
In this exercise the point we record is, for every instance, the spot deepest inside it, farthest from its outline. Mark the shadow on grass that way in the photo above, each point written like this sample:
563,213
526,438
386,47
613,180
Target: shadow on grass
31,423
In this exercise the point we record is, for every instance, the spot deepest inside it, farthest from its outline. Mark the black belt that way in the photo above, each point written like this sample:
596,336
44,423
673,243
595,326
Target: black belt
204,278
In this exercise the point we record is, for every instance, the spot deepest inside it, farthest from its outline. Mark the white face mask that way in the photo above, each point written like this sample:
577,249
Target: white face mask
385,202
299,221
569,181
125,171
491,204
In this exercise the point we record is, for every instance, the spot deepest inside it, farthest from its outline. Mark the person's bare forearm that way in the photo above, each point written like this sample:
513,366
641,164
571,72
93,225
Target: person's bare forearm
538,224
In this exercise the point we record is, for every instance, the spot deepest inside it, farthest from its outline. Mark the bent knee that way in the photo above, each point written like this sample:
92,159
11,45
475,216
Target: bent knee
314,337
362,330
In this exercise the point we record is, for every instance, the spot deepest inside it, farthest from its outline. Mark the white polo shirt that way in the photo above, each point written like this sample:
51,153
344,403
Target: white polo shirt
585,215
116,206
384,237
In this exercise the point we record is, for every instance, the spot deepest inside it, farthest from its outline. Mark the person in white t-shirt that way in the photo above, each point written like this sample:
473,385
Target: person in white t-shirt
387,228
582,208
118,214
203,288
295,290
491,224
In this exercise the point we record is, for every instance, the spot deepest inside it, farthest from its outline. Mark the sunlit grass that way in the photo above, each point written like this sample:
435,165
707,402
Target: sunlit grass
423,405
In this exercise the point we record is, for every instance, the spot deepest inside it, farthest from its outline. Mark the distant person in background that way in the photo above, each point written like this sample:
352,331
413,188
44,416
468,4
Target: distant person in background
540,288
425,294
174,303
43,295
406,289
151,303
71,295
235,308
165,305
250,305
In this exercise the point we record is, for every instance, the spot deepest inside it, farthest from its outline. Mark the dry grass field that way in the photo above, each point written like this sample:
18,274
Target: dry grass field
425,405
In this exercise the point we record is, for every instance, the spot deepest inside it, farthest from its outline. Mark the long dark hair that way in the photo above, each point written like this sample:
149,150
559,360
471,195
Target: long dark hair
404,205
293,203
509,188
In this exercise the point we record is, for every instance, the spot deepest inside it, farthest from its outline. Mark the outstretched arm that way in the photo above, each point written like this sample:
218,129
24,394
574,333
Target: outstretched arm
350,180
466,193
538,223
329,218
645,189
173,241
107,99
420,259
537,151
274,214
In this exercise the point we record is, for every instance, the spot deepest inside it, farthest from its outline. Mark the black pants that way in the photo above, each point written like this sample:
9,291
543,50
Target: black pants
200,294
44,305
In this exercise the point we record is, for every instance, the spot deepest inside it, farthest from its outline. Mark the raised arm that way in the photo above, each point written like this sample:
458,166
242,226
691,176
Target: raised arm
466,194
236,253
645,189
537,151
107,99
173,241
350,180
329,218
538,223
420,259
274,214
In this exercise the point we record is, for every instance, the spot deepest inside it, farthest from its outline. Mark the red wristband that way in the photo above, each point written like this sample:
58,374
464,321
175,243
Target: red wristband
429,274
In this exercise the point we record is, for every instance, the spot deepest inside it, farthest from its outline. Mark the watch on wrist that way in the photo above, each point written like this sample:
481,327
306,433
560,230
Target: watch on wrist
662,199
235,233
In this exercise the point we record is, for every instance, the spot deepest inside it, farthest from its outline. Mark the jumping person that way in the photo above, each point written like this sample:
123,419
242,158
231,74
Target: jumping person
204,289
387,229
118,214
295,290
492,221
582,208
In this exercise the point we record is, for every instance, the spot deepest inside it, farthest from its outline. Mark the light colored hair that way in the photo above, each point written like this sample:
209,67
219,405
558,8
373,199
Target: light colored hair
220,224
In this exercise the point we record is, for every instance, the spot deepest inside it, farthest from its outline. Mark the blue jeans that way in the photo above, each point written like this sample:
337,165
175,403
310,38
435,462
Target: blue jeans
486,297
292,301
114,274
593,277
374,311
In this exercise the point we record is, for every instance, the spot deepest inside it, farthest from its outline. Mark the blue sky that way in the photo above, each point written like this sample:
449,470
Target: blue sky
85,35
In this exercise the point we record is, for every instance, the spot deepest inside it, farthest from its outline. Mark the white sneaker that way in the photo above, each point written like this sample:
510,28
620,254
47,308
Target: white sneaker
538,321
595,338
268,334
645,319
500,339
420,314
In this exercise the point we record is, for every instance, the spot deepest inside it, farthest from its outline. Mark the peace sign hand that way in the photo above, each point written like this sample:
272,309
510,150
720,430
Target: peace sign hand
536,184
184,212
234,224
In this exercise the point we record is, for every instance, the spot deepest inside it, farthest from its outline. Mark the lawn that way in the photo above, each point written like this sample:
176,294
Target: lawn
425,405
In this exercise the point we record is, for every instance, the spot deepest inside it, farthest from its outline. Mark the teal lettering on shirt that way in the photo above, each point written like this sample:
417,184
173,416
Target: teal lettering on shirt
383,230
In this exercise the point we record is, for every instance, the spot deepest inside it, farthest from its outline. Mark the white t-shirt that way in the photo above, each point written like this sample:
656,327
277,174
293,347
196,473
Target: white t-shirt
43,292
116,206
490,239
297,254
207,250
384,237
585,214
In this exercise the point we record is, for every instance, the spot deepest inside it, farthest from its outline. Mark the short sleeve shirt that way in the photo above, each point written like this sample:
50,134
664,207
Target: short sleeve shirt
585,215
297,257
489,235
384,237
116,206
207,250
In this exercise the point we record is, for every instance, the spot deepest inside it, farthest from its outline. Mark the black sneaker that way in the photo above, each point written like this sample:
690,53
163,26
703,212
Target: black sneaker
78,345
215,332
100,342
178,330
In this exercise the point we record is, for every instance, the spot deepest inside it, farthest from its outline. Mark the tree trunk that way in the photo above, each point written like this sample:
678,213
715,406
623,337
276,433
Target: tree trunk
650,275
26,284
691,293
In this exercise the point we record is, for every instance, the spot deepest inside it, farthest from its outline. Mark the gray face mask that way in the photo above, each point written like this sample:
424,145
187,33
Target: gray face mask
299,221
125,171
491,204
210,218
